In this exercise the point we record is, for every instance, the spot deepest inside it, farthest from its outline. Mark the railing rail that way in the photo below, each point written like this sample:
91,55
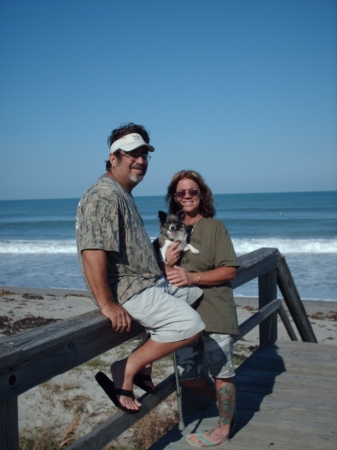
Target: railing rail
33,357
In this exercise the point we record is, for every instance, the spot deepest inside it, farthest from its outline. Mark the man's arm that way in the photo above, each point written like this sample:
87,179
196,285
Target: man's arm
96,271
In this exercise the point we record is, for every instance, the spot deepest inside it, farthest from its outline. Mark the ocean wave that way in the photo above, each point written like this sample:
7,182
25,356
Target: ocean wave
286,246
242,246
44,247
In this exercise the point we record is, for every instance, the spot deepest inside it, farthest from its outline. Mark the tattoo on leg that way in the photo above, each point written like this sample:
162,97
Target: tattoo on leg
226,403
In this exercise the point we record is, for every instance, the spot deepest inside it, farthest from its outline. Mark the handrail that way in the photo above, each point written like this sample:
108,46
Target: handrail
69,343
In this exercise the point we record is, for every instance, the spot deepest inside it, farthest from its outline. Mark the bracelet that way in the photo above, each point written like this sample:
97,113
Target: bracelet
198,282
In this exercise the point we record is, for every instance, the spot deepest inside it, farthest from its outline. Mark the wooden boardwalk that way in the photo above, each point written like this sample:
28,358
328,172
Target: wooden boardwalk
286,399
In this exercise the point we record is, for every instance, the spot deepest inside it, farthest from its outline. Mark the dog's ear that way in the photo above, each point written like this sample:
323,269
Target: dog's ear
181,214
162,216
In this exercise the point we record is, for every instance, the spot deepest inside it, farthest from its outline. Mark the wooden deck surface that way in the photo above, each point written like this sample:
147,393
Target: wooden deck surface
286,399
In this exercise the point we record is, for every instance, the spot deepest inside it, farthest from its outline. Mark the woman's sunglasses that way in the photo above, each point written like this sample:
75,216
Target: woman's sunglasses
191,192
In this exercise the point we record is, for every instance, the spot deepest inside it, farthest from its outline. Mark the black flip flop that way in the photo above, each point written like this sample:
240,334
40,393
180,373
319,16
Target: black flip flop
139,381
109,388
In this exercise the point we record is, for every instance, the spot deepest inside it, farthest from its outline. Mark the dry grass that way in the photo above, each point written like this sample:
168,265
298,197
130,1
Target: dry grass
151,428
139,437
4,292
39,440
96,363
69,437
56,388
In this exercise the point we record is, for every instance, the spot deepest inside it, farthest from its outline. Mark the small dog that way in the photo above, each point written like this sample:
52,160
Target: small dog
173,229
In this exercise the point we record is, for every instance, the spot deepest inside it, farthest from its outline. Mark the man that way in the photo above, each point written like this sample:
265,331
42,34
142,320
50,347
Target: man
120,267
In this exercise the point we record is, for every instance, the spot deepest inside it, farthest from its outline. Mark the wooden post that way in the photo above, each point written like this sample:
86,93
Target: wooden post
268,293
293,300
9,425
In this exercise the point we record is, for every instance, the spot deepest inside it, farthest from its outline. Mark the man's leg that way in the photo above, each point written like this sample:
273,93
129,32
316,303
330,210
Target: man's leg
172,324
145,372
124,371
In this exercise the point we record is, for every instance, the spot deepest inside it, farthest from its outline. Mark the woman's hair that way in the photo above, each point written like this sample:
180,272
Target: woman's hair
206,198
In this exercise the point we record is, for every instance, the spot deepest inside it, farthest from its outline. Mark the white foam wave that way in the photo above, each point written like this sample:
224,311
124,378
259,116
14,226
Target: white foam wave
45,247
286,246
242,246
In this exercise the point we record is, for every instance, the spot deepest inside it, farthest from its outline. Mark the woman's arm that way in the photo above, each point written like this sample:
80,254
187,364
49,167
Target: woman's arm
181,277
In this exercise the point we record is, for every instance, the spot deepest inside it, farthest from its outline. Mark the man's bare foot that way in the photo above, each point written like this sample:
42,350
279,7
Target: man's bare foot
123,380
209,438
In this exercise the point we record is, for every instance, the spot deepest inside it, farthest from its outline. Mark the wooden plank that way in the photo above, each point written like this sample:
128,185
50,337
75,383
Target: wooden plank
256,319
292,383
267,293
297,412
293,300
9,425
297,352
286,323
255,264
33,357
69,343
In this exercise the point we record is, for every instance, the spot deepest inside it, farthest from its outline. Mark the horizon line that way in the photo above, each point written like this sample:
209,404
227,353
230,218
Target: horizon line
163,195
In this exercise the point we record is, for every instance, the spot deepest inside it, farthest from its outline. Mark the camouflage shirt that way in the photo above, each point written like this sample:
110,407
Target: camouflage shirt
108,219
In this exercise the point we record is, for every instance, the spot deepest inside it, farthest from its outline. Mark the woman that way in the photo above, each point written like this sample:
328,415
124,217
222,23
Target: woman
215,265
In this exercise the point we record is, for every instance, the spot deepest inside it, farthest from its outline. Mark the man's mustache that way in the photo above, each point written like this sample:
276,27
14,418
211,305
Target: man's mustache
138,166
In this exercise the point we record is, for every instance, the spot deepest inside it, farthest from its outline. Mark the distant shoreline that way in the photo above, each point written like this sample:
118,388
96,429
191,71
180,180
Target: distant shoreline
311,306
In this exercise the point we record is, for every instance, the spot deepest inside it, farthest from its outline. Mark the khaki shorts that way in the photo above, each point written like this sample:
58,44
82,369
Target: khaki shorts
212,350
165,311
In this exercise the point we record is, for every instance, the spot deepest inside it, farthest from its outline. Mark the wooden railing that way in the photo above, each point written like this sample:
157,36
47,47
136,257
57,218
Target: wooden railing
33,357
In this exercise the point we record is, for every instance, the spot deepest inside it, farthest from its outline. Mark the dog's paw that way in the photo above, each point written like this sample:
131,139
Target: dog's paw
192,249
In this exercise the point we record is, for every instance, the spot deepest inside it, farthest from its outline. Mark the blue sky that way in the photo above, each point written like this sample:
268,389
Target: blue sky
242,91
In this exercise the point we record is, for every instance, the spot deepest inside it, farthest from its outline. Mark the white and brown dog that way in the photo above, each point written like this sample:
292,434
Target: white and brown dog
173,229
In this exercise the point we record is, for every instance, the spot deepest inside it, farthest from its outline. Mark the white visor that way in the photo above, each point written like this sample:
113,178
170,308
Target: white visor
130,142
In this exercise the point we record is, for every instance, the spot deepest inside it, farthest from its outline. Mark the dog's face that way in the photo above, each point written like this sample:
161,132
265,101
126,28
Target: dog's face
172,222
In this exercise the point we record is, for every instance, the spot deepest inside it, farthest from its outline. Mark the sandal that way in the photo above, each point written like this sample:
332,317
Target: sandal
109,388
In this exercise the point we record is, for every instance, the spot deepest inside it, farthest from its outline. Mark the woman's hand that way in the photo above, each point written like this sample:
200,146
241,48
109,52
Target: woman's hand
181,277
173,254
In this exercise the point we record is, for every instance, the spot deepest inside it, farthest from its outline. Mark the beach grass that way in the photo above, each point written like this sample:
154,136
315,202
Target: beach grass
139,437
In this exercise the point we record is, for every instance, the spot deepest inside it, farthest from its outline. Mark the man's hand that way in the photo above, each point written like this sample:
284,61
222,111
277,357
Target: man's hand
120,318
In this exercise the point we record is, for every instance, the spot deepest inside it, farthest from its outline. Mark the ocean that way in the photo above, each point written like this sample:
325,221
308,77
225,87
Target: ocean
37,238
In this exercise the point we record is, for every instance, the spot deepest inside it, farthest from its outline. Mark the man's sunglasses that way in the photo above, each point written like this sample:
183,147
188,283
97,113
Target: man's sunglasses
133,156
191,192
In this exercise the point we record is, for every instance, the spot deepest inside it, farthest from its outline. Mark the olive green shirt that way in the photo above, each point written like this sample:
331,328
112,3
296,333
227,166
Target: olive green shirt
217,308
108,219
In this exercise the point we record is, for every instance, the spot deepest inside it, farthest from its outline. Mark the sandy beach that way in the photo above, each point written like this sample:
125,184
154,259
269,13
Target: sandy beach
54,404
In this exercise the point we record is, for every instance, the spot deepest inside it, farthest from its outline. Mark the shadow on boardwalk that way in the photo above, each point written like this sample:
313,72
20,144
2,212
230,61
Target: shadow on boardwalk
255,379
280,403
